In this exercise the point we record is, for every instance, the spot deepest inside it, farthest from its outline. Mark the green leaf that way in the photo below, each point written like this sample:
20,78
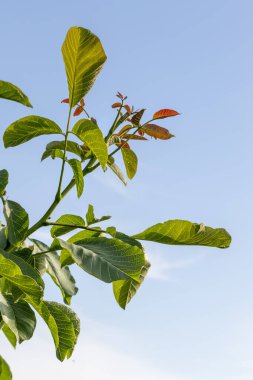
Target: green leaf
9,335
17,222
91,219
4,176
127,239
64,326
11,92
70,220
84,57
130,161
107,259
22,275
182,232
27,128
3,240
125,290
78,175
66,258
19,317
89,132
71,147
5,372
61,276
114,167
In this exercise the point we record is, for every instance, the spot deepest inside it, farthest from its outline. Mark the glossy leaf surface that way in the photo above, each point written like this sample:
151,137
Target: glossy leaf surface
11,92
68,219
125,290
131,162
182,232
84,57
17,221
22,275
78,175
162,114
89,132
27,128
63,324
107,259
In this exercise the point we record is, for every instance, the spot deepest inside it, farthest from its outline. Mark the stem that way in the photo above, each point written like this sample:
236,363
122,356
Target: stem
53,206
73,226
111,130
58,194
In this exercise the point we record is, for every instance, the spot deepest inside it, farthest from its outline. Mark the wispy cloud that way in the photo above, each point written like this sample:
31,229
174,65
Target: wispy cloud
93,360
163,268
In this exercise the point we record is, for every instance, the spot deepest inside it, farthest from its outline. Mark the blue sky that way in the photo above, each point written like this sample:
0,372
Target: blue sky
192,319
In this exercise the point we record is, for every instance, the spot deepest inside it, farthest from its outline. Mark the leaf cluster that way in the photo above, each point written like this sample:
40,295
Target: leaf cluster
103,252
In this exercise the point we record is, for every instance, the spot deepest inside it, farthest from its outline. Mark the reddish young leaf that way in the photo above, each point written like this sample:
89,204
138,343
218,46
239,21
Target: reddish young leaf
134,137
82,103
123,144
65,101
78,110
137,117
128,109
162,114
119,95
140,132
116,105
157,132
124,129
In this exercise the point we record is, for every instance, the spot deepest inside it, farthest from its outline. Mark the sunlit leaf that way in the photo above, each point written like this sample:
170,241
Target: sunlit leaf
78,111
78,175
157,132
22,275
131,162
125,290
10,336
116,105
90,133
64,326
27,128
71,221
182,232
162,114
5,372
11,92
91,219
84,57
